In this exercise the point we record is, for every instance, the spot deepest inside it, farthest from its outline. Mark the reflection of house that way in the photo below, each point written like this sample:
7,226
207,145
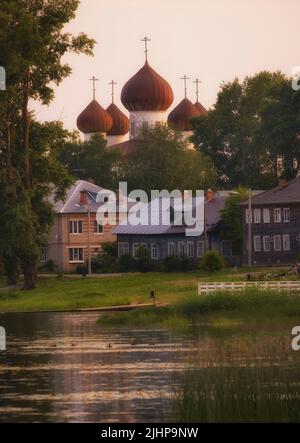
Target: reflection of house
170,240
275,224
68,240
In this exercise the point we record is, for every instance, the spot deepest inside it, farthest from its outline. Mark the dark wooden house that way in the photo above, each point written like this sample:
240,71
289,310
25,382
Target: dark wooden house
275,225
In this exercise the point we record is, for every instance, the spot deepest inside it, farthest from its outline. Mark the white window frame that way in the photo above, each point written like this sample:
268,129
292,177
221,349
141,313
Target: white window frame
135,247
76,260
267,243
182,244
223,245
277,247
257,243
190,252
171,249
123,248
257,215
286,242
154,247
266,215
277,215
286,215
98,228
200,245
248,216
74,227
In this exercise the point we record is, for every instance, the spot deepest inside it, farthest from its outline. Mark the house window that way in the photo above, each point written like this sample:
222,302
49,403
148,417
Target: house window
200,248
43,257
277,215
286,243
277,242
154,251
190,247
248,216
135,248
76,255
257,243
123,248
132,129
181,246
267,243
257,216
266,215
171,249
226,248
75,227
98,228
286,215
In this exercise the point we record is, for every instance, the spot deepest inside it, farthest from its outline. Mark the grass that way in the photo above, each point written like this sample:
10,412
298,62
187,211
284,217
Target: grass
241,382
74,293
220,310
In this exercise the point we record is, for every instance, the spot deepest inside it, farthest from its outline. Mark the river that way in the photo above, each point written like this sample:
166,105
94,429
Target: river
63,367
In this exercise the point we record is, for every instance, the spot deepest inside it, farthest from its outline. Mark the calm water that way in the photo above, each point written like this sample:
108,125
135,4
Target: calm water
65,368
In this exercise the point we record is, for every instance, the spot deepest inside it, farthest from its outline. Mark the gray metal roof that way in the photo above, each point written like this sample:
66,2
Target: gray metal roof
289,193
71,204
151,218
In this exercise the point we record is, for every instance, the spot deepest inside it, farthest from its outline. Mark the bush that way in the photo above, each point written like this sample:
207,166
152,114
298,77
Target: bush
172,264
49,266
106,260
82,269
212,261
126,263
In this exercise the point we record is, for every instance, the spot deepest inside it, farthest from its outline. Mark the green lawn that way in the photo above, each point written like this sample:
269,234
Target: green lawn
73,293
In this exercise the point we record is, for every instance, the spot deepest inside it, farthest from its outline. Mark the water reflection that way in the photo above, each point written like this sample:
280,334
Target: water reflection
63,367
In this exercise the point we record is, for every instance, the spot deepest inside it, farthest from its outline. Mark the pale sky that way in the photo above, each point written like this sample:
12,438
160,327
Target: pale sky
214,40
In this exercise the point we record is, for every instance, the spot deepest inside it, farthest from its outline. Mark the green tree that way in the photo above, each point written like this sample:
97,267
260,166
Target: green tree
241,139
161,159
93,160
32,45
232,216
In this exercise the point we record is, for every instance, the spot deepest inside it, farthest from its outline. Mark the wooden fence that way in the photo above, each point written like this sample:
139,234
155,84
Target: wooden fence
205,288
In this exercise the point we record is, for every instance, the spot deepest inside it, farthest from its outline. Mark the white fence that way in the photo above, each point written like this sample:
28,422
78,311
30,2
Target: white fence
205,288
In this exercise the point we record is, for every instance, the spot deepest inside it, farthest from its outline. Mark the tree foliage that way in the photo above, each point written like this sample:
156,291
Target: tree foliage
32,46
252,133
161,159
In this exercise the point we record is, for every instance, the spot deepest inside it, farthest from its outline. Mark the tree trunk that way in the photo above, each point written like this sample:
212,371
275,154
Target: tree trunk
25,125
30,276
9,169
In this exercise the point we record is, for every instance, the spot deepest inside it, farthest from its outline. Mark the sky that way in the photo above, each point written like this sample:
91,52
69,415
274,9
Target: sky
214,40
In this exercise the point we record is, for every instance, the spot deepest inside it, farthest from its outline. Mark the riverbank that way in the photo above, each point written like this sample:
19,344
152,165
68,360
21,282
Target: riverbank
73,293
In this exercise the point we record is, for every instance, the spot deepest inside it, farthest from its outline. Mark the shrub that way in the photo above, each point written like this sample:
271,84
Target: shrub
106,260
212,261
81,269
49,266
172,264
126,263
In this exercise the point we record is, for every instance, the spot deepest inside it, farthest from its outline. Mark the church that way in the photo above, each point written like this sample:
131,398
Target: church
147,97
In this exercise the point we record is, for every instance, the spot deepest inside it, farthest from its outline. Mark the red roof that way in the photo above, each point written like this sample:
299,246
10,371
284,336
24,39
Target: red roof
181,116
120,121
201,108
147,91
94,119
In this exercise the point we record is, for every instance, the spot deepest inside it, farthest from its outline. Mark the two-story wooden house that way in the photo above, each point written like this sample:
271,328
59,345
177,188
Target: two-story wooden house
275,224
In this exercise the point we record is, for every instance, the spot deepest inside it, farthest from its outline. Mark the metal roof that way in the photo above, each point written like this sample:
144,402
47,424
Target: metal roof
288,193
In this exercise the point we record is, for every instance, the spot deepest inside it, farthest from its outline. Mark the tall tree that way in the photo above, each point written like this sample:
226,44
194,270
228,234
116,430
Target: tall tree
161,159
93,160
32,44
236,135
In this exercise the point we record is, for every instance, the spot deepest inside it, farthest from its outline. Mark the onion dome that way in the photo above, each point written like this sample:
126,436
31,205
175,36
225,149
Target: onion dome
147,91
203,111
120,124
94,119
180,117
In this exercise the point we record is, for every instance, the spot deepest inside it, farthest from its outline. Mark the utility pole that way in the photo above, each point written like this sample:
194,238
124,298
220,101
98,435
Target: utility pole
89,239
250,228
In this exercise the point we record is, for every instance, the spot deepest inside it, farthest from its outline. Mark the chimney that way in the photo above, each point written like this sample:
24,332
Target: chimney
209,194
282,182
83,198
